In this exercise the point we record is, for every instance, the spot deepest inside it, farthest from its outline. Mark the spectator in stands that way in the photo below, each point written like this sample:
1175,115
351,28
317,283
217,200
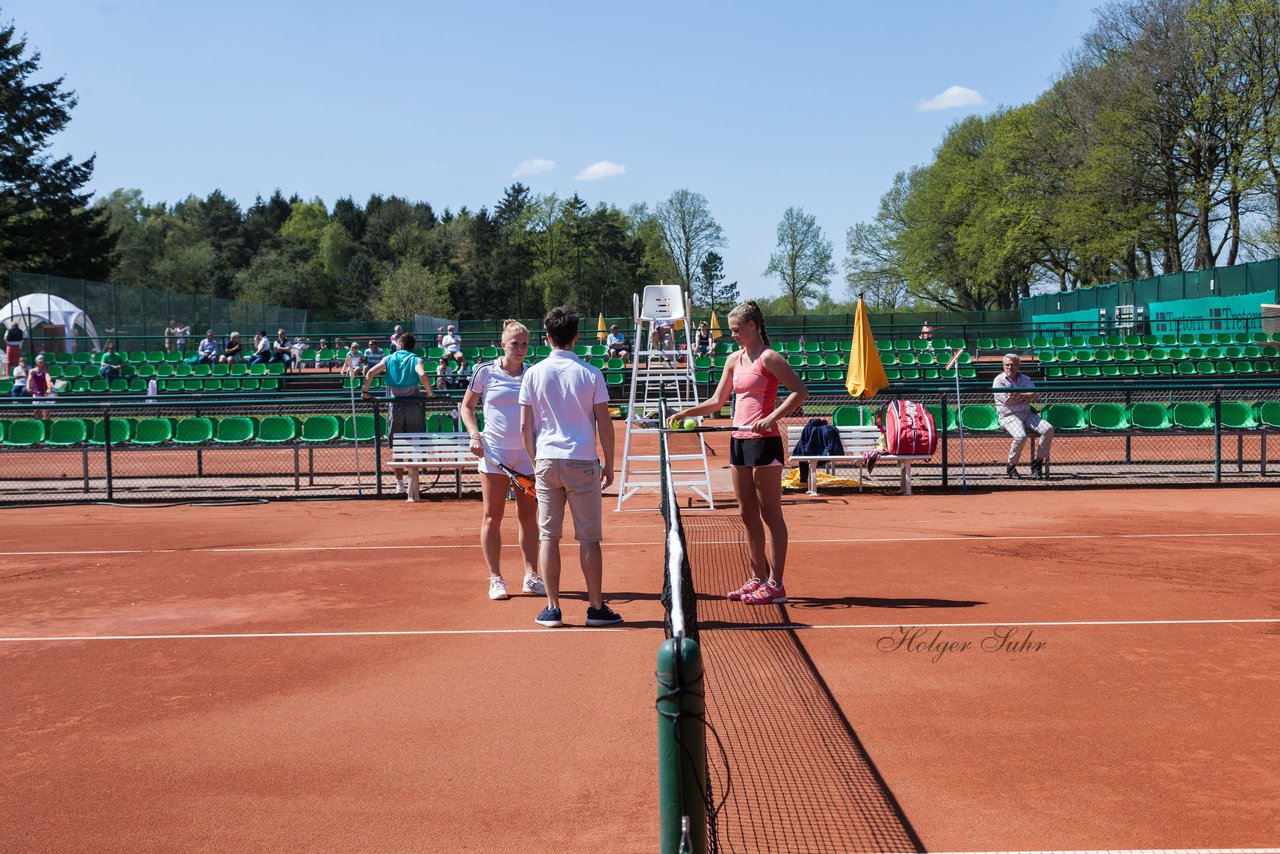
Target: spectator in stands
617,343
234,350
439,336
170,331
452,357
702,343
282,349
1016,417
13,346
396,335
19,375
111,363
208,349
261,349
180,334
299,345
926,332
353,365
373,354
39,383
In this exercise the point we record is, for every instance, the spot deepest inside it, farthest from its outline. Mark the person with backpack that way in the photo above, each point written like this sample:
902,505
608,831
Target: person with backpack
753,374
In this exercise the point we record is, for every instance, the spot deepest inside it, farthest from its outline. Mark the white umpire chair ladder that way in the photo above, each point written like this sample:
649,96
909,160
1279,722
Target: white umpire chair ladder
657,375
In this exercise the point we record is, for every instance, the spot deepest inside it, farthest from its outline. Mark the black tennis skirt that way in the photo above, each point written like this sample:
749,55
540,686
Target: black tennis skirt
765,451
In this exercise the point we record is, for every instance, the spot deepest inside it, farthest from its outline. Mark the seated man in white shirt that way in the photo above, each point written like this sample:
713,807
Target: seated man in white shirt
453,355
1017,417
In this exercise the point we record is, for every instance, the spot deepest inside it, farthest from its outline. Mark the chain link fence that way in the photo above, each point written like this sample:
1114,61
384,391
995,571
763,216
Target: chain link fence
300,447
1105,435
188,448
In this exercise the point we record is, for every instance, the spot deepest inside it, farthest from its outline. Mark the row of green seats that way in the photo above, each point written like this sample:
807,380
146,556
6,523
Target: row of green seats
1186,339
967,372
866,416
180,369
1160,354
226,430
922,359
908,345
170,386
1158,369
1144,415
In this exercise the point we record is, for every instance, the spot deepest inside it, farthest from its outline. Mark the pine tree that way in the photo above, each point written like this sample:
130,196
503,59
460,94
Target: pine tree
46,224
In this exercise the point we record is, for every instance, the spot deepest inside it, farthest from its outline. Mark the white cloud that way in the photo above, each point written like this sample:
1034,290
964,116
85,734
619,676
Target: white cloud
536,166
952,97
602,169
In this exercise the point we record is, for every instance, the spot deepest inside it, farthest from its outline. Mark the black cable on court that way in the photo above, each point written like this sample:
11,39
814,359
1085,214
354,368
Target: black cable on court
802,779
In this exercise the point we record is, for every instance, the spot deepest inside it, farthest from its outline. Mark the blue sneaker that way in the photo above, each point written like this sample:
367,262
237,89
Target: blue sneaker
550,617
602,616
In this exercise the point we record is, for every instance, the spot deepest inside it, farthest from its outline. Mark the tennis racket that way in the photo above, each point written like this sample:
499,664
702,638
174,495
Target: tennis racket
701,429
523,482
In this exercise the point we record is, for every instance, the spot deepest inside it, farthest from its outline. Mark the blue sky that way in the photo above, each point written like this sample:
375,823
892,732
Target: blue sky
758,106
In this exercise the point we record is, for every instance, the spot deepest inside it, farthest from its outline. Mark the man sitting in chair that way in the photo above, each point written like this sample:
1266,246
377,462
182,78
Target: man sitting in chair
617,343
1017,416
663,337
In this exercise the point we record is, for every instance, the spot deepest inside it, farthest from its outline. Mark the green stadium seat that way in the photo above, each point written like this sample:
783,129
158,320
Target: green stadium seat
239,369
359,429
814,375
1262,366
849,416
902,345
1190,415
1090,371
1132,341
980,418
145,372
1128,369
320,428
69,372
968,373
1040,342
1237,415
229,384
1095,341
888,359
1186,339
884,345
1205,368
835,360
269,384
1108,416
1150,340
1045,356
1103,355
910,375
955,343
221,369
1140,354
1213,353
66,432
183,370
1224,367
1053,372
193,431
137,385
164,371
173,357
1241,338
234,430
1149,416
938,424
201,371
929,374
118,386
1244,367
1176,354
1222,338
1066,356
986,344
1205,338
1269,413
99,386
1022,343
81,358
257,369
1085,355
1121,355
191,385
277,429
121,430
1059,342
1004,343
1149,369
1110,369
1232,352
152,431
1186,368
906,359
892,374
1259,337
276,369
6,387
250,384
926,359
1064,416
1165,369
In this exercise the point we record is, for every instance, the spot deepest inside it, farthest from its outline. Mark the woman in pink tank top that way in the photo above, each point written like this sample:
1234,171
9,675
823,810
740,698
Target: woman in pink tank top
753,375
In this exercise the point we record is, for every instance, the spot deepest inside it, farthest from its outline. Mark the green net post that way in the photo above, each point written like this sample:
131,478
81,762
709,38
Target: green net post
682,748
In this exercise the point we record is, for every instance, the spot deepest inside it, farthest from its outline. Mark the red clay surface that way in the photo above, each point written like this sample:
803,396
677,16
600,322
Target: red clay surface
495,734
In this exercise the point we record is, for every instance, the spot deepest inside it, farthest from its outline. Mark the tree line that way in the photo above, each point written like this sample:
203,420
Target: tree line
1156,151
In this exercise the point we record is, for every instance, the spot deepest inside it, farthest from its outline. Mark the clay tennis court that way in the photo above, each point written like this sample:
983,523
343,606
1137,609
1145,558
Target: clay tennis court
330,676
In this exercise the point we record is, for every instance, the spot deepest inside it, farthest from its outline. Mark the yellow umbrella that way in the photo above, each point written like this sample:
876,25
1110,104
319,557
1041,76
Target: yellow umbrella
601,330
715,326
866,373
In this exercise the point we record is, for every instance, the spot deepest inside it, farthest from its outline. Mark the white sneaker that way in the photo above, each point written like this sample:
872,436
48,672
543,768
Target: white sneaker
400,487
497,588
533,584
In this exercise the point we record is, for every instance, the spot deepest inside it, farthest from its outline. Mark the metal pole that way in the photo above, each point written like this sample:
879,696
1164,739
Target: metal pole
1217,436
943,396
682,748
106,435
964,472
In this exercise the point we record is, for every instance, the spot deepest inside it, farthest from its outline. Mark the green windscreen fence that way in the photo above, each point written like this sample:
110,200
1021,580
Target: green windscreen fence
137,317
1209,314
1068,319
1214,287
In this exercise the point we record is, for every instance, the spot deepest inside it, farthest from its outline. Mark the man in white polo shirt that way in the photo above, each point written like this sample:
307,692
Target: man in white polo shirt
564,406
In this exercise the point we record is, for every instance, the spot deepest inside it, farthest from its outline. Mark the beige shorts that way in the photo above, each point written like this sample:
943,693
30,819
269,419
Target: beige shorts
577,483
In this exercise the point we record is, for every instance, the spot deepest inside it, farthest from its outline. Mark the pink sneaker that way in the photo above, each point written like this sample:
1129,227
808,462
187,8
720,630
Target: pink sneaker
766,594
745,590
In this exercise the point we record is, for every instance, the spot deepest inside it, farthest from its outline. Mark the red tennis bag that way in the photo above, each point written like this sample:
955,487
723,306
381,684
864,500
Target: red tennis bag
908,428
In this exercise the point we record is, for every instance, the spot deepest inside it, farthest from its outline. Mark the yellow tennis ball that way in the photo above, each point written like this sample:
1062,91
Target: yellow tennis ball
690,424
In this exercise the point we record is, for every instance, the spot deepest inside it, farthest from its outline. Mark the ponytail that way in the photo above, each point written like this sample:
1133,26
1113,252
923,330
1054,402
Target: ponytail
750,312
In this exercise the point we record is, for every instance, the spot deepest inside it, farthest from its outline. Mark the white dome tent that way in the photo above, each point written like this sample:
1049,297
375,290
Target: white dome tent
34,309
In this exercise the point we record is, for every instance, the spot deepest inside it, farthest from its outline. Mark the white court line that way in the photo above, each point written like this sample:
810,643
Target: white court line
621,630
958,538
